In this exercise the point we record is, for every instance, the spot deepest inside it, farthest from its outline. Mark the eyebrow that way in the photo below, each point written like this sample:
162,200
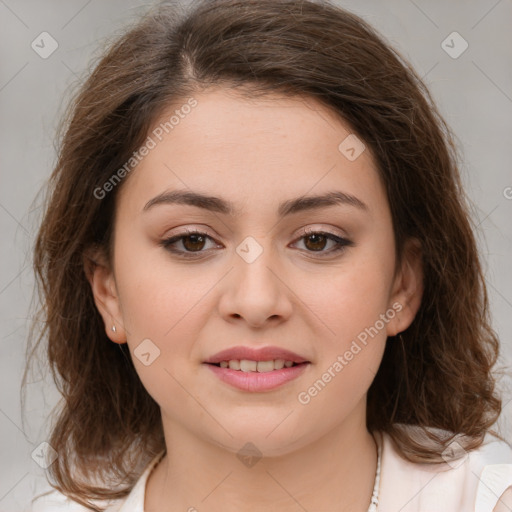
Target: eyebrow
291,206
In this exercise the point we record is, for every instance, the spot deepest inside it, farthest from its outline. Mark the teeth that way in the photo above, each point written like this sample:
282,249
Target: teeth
265,366
245,365
234,364
248,366
278,364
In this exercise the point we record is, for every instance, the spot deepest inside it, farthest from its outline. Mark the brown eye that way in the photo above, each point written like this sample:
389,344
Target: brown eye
317,241
193,242
188,243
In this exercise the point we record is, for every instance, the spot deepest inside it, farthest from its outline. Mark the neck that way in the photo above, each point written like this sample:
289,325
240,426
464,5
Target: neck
335,472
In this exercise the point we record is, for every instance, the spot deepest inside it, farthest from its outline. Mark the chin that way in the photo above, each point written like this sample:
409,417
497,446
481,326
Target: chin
264,440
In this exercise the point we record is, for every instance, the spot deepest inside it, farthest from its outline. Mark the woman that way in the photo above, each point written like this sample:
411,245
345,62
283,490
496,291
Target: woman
261,282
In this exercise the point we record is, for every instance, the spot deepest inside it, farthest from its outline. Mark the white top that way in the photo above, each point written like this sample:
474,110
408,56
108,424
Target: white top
471,484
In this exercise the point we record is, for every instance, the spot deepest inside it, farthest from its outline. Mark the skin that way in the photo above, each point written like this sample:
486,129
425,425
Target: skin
257,153
505,502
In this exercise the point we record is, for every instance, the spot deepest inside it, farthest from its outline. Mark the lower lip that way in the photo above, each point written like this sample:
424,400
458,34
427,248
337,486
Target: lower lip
256,381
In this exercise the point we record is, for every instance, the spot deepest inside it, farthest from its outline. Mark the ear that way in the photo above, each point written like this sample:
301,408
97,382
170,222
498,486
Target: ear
407,288
101,278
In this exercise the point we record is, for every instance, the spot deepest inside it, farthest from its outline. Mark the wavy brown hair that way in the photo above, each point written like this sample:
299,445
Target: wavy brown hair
436,376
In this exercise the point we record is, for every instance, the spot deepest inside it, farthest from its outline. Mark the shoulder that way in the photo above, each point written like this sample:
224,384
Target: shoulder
492,464
467,481
54,501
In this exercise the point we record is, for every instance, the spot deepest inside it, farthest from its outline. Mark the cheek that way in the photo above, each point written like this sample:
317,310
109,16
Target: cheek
155,294
350,297
339,386
164,308
352,309
351,305
159,308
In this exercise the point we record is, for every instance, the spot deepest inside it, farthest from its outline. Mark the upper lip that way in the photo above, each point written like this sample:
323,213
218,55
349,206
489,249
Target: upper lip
255,354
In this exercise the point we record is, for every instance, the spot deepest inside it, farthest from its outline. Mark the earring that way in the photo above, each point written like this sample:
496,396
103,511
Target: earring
114,328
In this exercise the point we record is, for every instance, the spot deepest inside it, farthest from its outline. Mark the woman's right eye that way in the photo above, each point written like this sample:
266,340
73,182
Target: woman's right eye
192,241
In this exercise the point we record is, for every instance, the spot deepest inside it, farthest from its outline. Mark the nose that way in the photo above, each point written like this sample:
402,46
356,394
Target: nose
256,291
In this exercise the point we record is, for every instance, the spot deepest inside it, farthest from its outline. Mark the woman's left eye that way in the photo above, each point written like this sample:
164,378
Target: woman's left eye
317,240
194,242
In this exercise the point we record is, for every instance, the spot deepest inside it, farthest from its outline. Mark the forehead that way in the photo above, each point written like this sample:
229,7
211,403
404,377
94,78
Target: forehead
253,149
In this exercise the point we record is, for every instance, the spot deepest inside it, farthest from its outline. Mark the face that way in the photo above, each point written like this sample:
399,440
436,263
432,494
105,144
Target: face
260,269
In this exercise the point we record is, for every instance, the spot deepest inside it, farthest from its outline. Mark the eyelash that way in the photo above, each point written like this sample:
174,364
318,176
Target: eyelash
341,243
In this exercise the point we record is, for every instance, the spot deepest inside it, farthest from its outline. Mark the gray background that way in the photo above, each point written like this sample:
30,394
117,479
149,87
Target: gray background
473,91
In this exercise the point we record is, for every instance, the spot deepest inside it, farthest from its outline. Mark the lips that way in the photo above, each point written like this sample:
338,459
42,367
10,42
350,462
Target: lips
255,382
261,354
256,370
